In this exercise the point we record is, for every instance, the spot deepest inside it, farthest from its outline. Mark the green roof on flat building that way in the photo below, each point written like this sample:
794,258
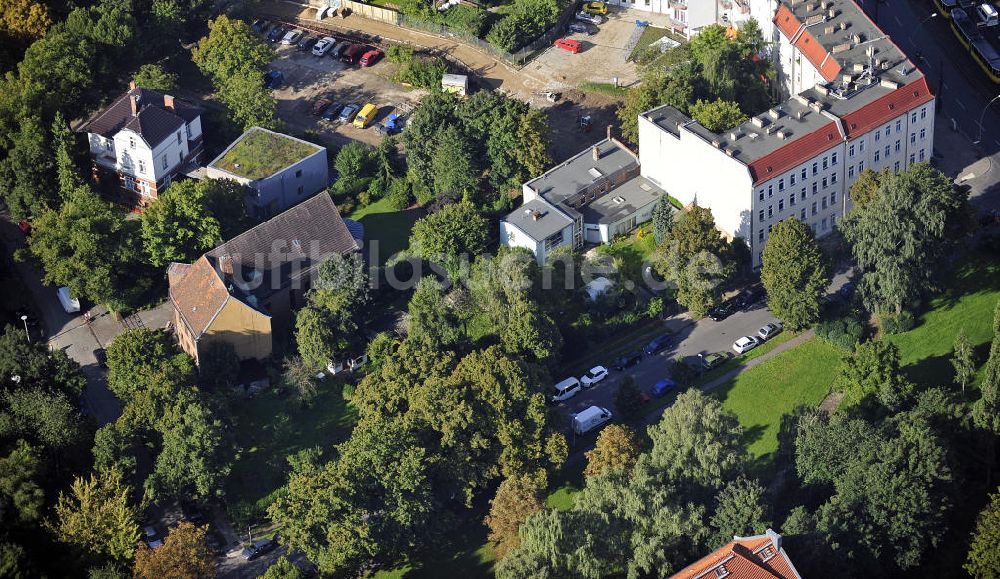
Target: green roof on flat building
260,153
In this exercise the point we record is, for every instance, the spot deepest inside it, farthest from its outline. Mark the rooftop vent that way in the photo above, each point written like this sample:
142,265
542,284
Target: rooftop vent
844,24
645,186
830,29
774,113
770,129
595,152
904,70
730,152
536,215
821,89
847,78
831,13
618,199
799,114
842,47
803,100
753,136
782,135
595,172
886,83
859,67
734,135
816,107
757,121
716,143
856,38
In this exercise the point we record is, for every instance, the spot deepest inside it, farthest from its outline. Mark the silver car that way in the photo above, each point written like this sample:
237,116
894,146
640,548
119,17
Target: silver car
768,331
591,18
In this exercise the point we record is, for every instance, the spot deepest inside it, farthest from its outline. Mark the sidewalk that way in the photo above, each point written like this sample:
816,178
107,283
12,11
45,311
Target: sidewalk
956,156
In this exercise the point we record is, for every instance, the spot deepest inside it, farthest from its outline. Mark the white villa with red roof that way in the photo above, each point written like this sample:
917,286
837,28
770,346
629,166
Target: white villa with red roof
757,557
858,103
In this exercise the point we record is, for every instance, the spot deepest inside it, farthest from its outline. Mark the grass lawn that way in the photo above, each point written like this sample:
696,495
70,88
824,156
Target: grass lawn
386,226
271,427
761,396
650,35
966,304
604,88
262,153
466,554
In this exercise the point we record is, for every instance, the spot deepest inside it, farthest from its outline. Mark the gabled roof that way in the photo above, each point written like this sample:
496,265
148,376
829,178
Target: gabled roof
154,121
795,153
887,107
757,557
808,45
258,263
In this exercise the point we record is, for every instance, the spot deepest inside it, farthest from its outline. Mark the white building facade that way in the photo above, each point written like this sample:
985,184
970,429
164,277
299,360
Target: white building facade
144,139
800,158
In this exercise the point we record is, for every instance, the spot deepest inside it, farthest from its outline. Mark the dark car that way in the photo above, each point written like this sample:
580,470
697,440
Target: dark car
276,34
331,111
847,290
348,112
627,360
661,388
709,361
319,105
102,357
260,26
657,344
581,27
722,311
307,43
353,53
749,297
274,79
257,549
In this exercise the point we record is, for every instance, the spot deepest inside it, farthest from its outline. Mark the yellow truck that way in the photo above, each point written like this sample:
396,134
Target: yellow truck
366,116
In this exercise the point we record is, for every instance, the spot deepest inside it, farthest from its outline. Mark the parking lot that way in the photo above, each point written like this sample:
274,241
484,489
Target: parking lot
308,77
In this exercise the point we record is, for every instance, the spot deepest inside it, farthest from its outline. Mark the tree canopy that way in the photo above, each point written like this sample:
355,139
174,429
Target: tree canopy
794,274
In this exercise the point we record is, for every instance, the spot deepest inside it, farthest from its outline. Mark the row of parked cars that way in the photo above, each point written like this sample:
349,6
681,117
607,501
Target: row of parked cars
344,50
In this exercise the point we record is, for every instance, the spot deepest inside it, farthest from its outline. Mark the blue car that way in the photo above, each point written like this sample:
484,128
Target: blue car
660,389
847,290
274,79
276,34
657,344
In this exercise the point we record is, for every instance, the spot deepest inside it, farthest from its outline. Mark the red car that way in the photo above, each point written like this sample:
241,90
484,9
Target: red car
568,44
370,57
24,226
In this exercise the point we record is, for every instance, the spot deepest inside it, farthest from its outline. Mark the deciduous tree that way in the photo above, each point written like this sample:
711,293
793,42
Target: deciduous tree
455,232
741,511
616,451
691,257
983,559
194,460
517,499
873,370
283,569
430,318
21,497
794,274
184,553
24,20
153,77
717,115
97,516
178,227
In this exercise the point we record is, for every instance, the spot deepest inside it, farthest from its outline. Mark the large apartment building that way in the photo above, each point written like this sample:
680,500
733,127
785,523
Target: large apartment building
857,103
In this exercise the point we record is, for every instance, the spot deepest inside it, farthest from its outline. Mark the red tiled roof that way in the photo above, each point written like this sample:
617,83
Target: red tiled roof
794,153
887,107
806,43
743,558
197,292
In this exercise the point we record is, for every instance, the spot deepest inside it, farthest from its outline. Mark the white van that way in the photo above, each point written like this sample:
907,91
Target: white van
590,419
988,14
565,390
69,303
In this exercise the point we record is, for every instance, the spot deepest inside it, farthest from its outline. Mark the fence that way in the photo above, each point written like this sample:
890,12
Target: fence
396,18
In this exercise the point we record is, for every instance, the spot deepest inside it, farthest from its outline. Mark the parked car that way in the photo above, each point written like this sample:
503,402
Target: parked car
274,79
339,48
276,33
391,125
722,311
331,111
749,297
580,27
627,360
590,419
847,290
745,344
259,25
323,45
590,18
257,549
709,361
565,390
25,226
292,37
102,357
593,376
660,389
306,43
152,538
348,112
370,58
319,105
352,54
657,344
769,331
69,303
595,7
365,116
568,44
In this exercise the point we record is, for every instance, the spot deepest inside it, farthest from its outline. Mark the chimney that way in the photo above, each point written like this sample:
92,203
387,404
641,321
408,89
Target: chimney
226,265
536,215
131,85
135,105
168,102
595,152
609,132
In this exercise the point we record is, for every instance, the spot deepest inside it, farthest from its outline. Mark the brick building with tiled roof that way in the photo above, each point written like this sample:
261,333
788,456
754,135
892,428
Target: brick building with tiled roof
245,290
857,103
757,557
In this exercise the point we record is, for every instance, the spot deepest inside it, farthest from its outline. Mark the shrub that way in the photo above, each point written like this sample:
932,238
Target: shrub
348,391
655,308
628,399
399,194
844,333
896,323
346,207
364,198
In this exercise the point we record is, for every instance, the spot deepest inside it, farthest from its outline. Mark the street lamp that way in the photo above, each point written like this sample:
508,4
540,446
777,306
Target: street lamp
981,117
24,319
909,39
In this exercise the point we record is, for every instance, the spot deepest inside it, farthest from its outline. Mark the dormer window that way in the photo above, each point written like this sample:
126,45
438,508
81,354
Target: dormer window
721,571
766,554
178,137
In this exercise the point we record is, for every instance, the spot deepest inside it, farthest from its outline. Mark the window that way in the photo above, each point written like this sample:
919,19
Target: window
824,182
791,199
913,117
770,191
913,138
760,195
803,193
878,135
824,224
887,151
833,178
301,190
850,151
824,202
824,164
760,235
861,166
923,113
923,134
814,188
792,177
896,167
897,145
142,167
131,142
164,161
850,172
803,174
781,184
833,158
178,137
913,158
769,228
877,156
887,131
760,216
833,198
781,205
815,168
107,144
921,155
814,208
899,125
770,212
802,216
298,173
861,147
187,129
